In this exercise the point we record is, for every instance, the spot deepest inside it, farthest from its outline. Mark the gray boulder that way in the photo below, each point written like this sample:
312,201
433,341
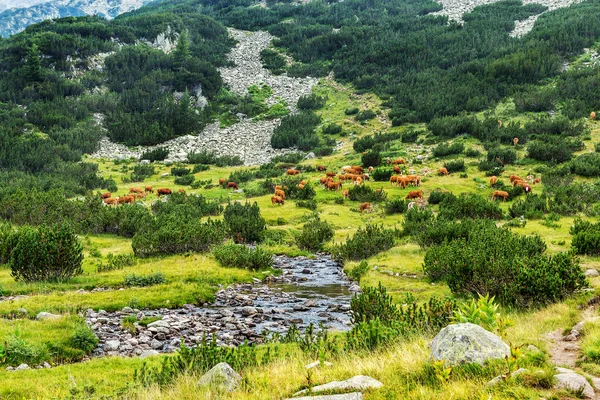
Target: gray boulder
221,376
467,343
591,273
112,345
42,316
359,382
148,353
347,396
574,381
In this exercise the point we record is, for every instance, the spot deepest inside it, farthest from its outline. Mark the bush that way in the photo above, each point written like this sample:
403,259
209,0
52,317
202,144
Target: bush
366,242
311,102
117,262
438,196
310,204
532,206
158,154
446,149
371,159
512,268
16,351
382,174
410,136
244,222
153,278
180,171
364,115
314,235
416,219
240,256
455,166
48,254
501,155
242,175
200,168
84,339
586,238
332,129
396,206
185,180
470,206
440,231
473,153
297,130
359,271
351,111
323,151
364,193
586,165
141,172
553,150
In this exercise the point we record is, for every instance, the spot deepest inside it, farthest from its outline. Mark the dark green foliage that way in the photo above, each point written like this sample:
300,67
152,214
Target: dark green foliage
438,196
374,303
332,129
470,206
410,136
377,141
84,339
153,278
501,155
446,149
294,191
382,174
552,150
242,175
536,99
244,222
47,254
16,351
365,193
310,204
311,102
240,256
297,130
351,111
371,159
474,153
185,180
323,151
141,172
157,154
455,166
209,158
555,126
440,231
117,262
416,219
586,165
180,171
315,233
532,206
359,271
396,206
200,168
364,115
495,262
586,237
272,61
366,242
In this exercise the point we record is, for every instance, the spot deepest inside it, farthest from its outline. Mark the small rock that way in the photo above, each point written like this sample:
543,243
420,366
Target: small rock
159,324
574,381
347,396
222,376
42,316
246,311
359,382
148,353
46,365
112,345
127,310
591,273
318,364
22,367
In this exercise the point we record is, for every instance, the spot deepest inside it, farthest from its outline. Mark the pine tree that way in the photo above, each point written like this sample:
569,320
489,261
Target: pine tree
182,52
33,68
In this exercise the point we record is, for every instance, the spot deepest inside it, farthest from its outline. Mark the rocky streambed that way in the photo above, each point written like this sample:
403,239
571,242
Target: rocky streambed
307,291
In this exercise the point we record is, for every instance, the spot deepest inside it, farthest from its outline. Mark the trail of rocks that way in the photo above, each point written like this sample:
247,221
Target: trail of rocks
307,291
454,10
249,140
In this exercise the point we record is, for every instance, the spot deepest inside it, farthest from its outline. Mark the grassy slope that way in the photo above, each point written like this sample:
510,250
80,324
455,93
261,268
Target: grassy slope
194,278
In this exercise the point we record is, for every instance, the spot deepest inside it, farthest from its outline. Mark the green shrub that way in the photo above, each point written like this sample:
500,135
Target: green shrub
315,233
332,129
294,191
586,238
455,166
410,136
84,339
364,115
416,219
552,150
382,174
396,206
440,231
240,256
586,165
185,180
532,206
242,175
366,242
153,278
446,149
180,171
273,61
470,206
323,151
359,271
473,153
141,172
374,303
48,254
297,130
501,154
364,193
351,111
311,102
244,222
200,168
438,196
117,262
310,204
158,154
16,351
371,159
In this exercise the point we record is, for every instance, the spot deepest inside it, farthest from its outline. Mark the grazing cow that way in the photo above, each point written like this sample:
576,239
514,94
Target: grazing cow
301,186
106,195
330,174
526,188
126,199
110,201
280,193
499,123
352,171
321,168
222,181
334,185
399,161
277,200
537,180
278,187
444,171
163,191
515,141
292,171
493,180
499,193
371,169
529,178
413,180
139,195
323,181
358,169
232,185
518,182
149,189
395,179
415,194
346,167
593,115
397,169
365,177
181,190
365,206
515,178
345,193
358,181
136,190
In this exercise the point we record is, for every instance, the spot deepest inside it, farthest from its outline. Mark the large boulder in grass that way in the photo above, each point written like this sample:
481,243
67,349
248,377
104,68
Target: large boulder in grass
221,376
467,343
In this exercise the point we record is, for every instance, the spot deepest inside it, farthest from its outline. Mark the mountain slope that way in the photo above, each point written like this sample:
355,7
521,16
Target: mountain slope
14,20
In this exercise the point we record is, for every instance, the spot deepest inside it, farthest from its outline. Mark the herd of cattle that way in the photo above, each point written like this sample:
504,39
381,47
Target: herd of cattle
134,194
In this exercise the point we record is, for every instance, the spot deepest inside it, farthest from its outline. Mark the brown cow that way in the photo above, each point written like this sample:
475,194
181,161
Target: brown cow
277,200
514,178
518,182
280,193
413,179
444,171
493,180
395,179
126,199
500,193
537,180
278,187
149,189
365,206
397,169
163,191
358,181
323,181
345,193
330,174
371,169
526,188
181,190
399,161
110,201
415,194
301,186
593,115
292,171
334,185
321,168
515,141
106,195
136,190
232,185
222,181
359,169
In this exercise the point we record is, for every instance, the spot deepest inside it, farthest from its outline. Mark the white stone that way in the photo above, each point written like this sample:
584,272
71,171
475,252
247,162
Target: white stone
347,396
221,376
112,345
359,382
46,316
574,381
